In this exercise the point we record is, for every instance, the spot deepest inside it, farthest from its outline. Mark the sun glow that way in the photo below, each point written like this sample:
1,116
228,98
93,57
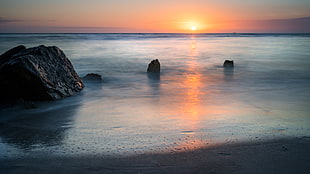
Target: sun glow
193,28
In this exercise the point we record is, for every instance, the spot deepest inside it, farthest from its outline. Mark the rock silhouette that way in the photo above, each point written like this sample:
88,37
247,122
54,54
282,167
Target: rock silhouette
38,73
154,66
92,77
228,63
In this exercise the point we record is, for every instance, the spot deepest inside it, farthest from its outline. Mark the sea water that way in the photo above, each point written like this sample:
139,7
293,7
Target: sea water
193,103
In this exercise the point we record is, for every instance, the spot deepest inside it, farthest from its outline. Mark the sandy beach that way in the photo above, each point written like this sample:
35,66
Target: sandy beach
278,156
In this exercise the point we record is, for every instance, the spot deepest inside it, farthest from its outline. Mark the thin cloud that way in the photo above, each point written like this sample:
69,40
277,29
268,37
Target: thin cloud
288,25
2,21
293,25
5,21
87,29
60,29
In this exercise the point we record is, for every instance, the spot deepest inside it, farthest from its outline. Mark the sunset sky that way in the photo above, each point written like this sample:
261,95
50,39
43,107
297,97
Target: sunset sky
154,16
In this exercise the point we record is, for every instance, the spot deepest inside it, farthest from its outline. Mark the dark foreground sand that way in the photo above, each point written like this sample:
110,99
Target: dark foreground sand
279,156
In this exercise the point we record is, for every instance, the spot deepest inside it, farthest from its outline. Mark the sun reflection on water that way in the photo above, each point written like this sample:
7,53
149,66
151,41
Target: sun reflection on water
190,106
193,85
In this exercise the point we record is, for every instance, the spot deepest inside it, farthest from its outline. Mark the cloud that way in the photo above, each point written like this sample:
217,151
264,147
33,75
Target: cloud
2,21
78,29
288,25
8,21
61,29
35,26
293,25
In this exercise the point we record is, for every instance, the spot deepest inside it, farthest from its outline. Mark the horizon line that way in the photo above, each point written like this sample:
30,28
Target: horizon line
154,32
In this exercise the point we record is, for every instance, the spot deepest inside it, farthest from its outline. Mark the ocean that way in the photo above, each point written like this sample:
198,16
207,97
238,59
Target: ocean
193,103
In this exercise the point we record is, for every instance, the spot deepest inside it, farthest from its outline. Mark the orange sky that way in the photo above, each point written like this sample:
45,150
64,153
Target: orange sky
150,16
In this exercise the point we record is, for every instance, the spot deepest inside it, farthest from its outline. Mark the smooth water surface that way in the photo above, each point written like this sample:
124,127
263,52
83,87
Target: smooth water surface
193,103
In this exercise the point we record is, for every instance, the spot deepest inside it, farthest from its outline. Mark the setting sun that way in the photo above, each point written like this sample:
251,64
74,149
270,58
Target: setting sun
193,28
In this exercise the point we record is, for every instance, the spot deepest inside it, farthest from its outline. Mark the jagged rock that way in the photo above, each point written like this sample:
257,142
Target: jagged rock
39,73
154,66
228,63
7,55
92,77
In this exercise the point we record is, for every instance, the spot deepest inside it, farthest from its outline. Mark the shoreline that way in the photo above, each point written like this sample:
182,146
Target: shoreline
274,156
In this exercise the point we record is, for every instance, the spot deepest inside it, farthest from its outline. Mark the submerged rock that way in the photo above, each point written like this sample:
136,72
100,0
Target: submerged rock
228,63
154,66
92,77
39,73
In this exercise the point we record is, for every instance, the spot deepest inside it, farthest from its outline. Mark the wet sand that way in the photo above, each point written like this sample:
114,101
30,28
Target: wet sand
277,156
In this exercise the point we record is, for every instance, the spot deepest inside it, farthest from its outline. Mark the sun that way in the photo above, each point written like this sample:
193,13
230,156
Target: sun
193,28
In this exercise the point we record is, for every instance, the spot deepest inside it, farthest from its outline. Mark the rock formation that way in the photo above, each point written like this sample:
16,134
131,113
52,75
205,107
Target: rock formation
228,63
39,73
92,77
154,66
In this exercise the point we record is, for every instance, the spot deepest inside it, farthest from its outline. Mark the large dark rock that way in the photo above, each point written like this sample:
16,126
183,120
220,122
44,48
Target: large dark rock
7,55
228,63
154,66
39,73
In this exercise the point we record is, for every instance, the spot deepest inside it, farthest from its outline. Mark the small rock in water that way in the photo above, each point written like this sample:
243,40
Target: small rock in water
228,63
154,66
92,76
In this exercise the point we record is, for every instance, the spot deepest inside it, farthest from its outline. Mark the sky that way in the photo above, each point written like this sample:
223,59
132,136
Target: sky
154,16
